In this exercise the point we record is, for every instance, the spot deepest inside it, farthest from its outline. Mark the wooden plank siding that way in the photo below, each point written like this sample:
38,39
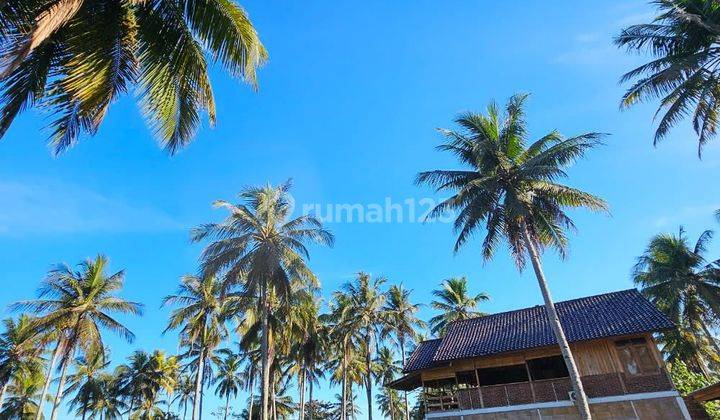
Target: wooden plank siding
595,357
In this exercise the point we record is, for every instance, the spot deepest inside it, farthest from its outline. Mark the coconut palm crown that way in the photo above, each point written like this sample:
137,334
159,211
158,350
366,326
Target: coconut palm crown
506,185
679,280
683,40
73,58
455,303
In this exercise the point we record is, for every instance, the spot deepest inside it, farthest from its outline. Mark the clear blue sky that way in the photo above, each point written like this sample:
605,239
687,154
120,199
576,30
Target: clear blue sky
347,107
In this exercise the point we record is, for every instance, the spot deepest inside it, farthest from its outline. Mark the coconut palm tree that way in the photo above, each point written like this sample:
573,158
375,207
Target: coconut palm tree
385,370
403,323
343,331
259,246
510,190
679,280
23,394
144,378
308,340
109,403
366,312
75,57
77,306
229,377
202,317
86,382
683,40
454,303
184,393
20,350
388,402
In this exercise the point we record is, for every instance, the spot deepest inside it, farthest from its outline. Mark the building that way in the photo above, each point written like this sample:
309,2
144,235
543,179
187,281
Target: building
508,365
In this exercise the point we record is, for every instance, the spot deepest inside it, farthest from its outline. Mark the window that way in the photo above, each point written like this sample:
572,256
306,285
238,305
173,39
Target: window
445,384
635,356
502,375
547,368
466,379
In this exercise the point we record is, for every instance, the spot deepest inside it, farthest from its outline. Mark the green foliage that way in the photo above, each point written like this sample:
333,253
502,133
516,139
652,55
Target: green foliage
454,303
683,73
687,381
73,58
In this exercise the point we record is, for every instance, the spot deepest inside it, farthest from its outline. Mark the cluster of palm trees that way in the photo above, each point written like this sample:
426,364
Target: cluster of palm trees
678,277
354,342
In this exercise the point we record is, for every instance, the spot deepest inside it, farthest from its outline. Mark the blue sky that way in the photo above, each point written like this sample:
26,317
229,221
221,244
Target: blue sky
348,107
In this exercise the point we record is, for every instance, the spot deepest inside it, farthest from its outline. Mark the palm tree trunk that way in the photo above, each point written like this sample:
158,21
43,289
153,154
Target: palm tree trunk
3,390
184,410
343,414
252,394
227,405
273,399
265,354
61,385
301,390
580,397
310,415
402,352
198,385
368,374
48,378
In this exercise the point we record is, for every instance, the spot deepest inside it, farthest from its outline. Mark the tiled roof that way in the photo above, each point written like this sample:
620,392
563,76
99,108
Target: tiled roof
588,318
423,355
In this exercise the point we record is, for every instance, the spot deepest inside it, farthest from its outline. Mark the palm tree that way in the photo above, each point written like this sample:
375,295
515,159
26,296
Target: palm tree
388,402
20,351
403,323
229,378
307,334
75,57
23,396
202,317
510,190
184,392
86,382
683,74
455,304
109,403
366,309
682,283
259,245
144,378
346,362
385,371
78,305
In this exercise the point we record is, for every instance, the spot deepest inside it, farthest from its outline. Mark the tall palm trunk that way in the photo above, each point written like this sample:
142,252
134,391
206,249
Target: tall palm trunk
61,385
3,390
368,374
48,378
402,352
252,393
301,389
184,410
343,414
197,401
265,354
227,405
581,399
310,415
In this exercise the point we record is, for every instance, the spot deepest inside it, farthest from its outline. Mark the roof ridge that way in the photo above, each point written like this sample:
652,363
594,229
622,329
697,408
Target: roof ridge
540,305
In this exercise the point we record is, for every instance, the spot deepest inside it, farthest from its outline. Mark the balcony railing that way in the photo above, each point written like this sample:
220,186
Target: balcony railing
549,390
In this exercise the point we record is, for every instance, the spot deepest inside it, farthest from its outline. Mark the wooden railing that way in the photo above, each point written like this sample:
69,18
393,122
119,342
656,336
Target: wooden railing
549,390
441,402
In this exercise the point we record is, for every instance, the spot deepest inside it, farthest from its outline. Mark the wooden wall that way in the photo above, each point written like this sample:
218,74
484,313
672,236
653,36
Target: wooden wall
592,358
